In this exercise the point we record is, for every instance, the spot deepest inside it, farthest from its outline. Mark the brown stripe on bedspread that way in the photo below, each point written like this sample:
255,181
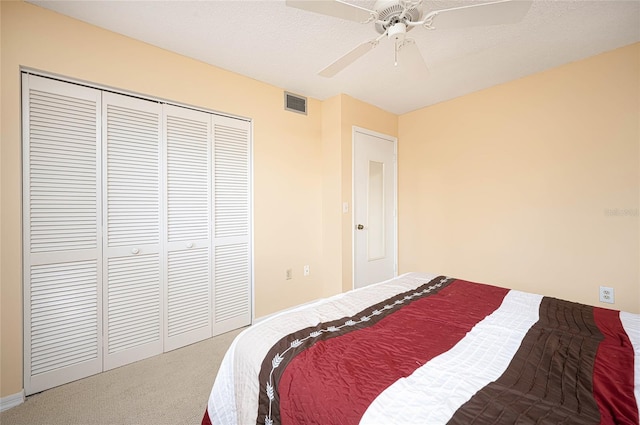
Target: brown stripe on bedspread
549,380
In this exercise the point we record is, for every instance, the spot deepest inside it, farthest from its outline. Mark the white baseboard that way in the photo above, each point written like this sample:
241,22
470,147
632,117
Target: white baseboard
11,401
257,320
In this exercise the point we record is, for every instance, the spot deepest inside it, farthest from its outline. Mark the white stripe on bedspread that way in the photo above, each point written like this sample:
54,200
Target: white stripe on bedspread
631,324
222,401
436,390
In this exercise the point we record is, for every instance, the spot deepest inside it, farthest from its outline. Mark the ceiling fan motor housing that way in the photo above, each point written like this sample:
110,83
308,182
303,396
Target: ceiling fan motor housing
389,12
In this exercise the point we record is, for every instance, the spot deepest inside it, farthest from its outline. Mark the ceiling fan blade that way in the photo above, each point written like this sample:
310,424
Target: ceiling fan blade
410,59
348,59
495,13
336,8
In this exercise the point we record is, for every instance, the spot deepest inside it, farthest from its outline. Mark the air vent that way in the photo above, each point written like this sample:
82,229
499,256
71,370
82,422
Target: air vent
295,103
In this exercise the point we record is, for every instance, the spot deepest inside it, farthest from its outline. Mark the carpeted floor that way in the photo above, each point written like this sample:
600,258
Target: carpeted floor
171,388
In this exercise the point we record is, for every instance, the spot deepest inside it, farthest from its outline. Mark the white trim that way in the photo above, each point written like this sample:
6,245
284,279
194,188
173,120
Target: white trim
289,309
355,129
251,226
10,401
104,87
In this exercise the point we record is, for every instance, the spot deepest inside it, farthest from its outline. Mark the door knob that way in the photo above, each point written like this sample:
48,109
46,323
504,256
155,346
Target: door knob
359,227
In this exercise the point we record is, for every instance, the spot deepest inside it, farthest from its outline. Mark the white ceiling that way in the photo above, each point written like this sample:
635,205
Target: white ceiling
286,47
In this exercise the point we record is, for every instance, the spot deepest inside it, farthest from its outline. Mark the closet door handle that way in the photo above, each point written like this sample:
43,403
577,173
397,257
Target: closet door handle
135,251
190,245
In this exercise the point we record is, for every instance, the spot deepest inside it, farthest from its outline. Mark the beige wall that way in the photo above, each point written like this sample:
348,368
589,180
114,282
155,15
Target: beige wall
532,185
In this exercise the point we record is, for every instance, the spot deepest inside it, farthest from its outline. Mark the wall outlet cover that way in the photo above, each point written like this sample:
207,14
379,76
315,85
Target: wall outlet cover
607,294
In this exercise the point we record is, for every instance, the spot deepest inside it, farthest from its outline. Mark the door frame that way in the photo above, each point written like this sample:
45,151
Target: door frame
394,140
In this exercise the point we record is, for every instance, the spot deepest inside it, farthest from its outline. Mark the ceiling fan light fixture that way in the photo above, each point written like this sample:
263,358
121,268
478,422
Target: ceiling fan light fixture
397,31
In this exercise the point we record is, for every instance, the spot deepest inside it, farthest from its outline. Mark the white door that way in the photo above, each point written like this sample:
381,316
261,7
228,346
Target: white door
136,229
374,206
188,316
232,297
132,225
62,250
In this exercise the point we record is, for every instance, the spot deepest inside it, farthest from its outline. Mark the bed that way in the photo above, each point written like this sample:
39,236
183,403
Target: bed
428,349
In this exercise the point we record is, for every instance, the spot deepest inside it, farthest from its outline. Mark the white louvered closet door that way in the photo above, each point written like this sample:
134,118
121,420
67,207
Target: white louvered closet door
136,229
188,317
232,224
132,229
61,216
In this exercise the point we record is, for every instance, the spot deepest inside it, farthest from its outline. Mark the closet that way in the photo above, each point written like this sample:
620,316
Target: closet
136,227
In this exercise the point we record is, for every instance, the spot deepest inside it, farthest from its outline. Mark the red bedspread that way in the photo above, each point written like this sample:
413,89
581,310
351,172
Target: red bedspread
573,364
341,374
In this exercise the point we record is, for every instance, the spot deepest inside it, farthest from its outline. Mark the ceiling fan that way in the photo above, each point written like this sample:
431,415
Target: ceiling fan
394,18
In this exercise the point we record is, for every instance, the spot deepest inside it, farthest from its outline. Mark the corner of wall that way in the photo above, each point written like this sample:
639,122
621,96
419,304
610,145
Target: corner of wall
331,196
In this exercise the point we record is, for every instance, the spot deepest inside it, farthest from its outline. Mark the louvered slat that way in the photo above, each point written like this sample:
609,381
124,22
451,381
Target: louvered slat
231,177
132,176
64,315
133,302
187,178
188,293
232,281
62,172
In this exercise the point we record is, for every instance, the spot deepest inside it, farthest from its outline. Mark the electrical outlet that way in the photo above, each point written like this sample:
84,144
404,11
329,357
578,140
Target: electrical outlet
289,274
606,294
306,270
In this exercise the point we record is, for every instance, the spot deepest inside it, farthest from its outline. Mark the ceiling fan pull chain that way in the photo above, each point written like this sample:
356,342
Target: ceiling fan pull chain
395,52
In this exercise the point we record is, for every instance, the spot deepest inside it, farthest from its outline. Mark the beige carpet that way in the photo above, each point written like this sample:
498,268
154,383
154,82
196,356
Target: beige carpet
171,388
